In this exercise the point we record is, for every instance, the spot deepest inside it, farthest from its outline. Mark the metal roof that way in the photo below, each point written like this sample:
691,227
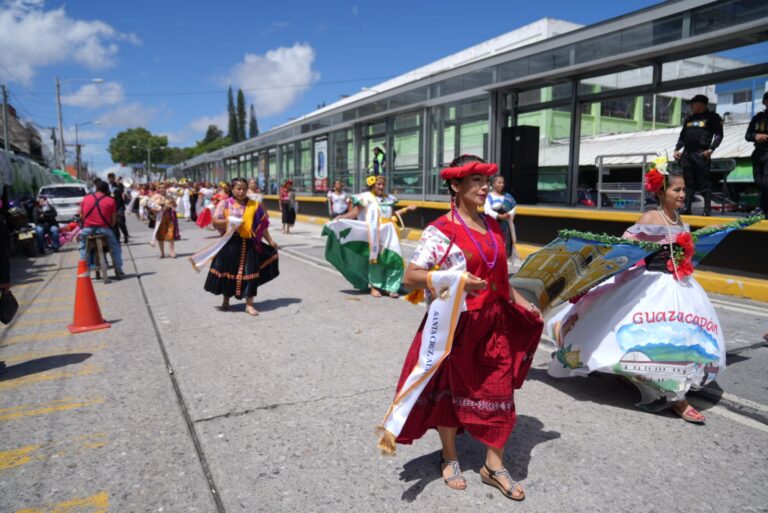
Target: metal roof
661,141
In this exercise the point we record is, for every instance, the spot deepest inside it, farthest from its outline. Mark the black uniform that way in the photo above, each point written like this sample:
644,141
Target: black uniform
701,132
759,125
118,194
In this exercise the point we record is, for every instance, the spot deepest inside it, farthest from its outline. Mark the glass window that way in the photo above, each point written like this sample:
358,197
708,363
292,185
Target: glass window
553,149
405,169
456,129
623,108
513,70
343,159
727,14
544,94
620,80
550,60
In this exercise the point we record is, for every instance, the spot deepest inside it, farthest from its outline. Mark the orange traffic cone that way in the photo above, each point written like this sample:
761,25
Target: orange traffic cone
87,312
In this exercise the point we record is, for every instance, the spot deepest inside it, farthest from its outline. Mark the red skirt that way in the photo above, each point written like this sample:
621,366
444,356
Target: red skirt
473,389
204,218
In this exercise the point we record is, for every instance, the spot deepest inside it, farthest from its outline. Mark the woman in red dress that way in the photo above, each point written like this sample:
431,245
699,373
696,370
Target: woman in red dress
494,340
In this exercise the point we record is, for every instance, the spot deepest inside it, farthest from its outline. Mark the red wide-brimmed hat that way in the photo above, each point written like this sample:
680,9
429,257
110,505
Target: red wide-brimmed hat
471,168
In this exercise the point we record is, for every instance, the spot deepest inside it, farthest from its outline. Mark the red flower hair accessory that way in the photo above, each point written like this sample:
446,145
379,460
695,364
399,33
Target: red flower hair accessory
654,181
472,168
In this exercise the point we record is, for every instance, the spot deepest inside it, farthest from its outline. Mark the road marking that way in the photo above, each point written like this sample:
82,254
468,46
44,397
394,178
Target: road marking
85,370
744,306
32,410
47,309
306,259
98,503
44,452
703,404
741,310
56,351
39,322
34,337
54,299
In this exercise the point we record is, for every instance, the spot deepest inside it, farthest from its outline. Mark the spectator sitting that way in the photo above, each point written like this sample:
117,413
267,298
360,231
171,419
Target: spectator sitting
99,214
44,216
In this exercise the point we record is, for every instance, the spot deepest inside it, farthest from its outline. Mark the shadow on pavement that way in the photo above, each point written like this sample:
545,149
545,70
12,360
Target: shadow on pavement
266,305
42,364
529,432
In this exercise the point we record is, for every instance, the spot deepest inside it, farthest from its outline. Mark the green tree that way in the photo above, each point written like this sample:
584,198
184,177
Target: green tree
241,115
253,125
232,129
130,146
213,133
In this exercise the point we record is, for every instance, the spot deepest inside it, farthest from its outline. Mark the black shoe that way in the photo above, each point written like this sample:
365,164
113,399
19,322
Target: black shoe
119,275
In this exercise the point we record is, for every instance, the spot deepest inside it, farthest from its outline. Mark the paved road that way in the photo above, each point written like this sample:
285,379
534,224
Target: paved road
181,408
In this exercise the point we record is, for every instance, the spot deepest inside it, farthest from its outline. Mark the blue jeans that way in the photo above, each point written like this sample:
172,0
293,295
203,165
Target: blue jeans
114,246
40,231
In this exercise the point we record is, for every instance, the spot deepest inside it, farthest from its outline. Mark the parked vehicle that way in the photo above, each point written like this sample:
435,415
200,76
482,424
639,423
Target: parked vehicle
21,231
65,198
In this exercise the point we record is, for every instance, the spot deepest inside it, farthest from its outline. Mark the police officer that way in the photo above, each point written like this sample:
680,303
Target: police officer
757,132
702,133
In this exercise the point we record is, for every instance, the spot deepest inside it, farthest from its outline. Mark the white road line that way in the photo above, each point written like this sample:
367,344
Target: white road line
307,260
724,412
718,301
741,310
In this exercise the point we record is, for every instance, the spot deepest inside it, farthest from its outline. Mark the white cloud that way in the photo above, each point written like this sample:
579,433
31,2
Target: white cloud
83,135
31,37
180,138
93,96
130,115
275,26
200,125
119,170
275,80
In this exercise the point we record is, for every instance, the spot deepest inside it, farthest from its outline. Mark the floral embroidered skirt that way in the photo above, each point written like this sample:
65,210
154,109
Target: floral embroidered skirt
241,267
474,388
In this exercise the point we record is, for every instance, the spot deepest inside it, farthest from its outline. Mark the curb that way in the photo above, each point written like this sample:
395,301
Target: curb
727,284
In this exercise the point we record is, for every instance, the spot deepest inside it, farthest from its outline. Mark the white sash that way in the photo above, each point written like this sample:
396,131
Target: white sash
436,343
372,219
203,257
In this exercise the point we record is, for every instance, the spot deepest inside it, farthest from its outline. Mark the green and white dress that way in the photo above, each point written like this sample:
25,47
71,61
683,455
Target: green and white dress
366,250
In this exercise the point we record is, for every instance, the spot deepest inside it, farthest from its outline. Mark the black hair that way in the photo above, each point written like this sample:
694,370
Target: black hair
111,175
102,187
238,179
461,160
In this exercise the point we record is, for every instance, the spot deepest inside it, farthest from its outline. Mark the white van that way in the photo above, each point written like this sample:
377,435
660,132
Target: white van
65,197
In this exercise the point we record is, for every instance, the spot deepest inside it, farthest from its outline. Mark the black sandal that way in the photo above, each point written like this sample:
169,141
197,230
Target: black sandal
456,473
491,480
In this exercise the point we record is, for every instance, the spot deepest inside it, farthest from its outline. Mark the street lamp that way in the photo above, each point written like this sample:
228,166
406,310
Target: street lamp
149,155
62,152
77,146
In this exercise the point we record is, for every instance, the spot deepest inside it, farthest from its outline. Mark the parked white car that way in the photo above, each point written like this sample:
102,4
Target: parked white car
65,197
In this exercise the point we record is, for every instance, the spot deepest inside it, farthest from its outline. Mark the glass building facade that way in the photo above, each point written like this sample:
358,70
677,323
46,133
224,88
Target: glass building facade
609,87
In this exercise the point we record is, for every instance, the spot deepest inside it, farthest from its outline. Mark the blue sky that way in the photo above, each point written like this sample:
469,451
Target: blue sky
166,64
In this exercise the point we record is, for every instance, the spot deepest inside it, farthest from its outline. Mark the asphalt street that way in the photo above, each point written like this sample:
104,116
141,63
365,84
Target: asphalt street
179,407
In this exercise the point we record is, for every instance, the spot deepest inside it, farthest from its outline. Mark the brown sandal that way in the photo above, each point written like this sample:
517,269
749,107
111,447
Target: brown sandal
490,477
455,474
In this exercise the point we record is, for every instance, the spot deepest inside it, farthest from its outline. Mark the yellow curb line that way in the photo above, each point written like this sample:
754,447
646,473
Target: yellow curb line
727,284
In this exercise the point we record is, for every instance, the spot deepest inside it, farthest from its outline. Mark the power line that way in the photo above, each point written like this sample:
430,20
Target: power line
200,93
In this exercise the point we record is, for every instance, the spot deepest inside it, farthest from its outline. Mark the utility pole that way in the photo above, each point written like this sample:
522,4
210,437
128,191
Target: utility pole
62,148
6,143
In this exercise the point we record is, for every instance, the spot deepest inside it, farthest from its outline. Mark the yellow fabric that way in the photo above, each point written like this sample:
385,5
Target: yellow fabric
247,227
